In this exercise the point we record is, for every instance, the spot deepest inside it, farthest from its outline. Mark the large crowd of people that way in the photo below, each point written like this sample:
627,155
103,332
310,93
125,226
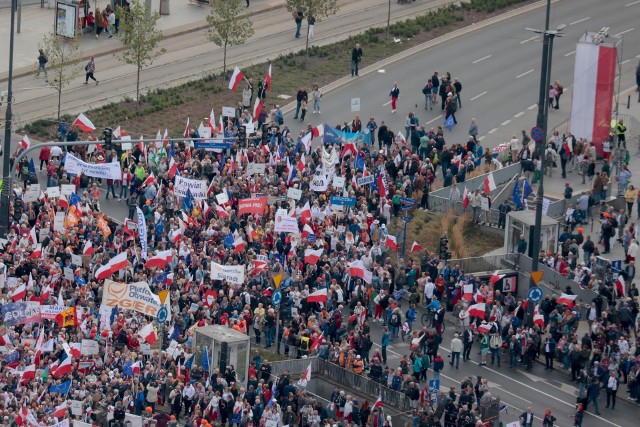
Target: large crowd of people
301,208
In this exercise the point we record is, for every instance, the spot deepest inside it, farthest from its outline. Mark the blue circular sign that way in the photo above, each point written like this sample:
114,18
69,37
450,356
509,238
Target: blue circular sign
163,313
276,298
536,134
535,294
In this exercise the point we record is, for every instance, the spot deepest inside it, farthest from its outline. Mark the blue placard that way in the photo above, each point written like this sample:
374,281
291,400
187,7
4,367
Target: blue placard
365,180
343,201
276,298
406,218
434,386
212,145
616,265
535,294
407,201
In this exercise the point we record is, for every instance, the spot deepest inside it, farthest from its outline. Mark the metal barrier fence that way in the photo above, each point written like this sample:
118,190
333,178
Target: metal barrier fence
294,366
365,385
486,263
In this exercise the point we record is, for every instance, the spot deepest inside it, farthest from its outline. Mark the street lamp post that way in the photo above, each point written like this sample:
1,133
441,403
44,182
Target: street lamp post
541,122
6,172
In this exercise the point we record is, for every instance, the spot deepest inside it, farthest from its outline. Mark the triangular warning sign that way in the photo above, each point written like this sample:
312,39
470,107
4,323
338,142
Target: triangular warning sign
536,276
277,279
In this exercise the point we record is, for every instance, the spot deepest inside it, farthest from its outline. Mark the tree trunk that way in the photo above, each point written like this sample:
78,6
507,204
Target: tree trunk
59,99
224,60
306,48
138,88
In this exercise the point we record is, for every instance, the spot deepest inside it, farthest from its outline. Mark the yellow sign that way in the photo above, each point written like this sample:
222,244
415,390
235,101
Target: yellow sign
277,279
536,276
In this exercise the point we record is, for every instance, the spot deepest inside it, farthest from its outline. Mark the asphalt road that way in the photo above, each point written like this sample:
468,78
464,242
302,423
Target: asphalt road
499,68
191,55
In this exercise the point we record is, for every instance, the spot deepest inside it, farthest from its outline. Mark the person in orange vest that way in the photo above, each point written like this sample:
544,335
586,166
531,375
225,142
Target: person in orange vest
358,365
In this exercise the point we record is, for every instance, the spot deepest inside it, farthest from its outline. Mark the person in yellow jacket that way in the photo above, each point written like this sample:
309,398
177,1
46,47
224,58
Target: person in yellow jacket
358,365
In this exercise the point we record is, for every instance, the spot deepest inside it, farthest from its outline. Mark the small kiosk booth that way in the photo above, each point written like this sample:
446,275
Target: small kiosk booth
225,347
523,223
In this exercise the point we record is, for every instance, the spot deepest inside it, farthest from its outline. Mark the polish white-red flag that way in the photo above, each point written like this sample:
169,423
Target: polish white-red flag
378,403
114,265
173,168
568,300
212,122
61,410
304,213
312,256
484,328
317,131
391,242
357,269
415,247
160,260
32,235
301,163
620,287
239,245
84,124
19,293
149,180
148,334
63,368
467,292
88,248
349,149
187,129
29,373
25,142
489,184
495,277
477,310
465,199
267,79
236,78
257,108
221,212
318,296
37,252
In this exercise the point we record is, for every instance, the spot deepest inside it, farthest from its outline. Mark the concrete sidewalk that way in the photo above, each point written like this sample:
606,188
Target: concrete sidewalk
36,22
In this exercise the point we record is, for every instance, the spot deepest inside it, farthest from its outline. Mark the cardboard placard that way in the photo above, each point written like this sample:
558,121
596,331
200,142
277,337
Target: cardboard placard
76,407
338,181
53,192
125,143
145,348
222,198
256,168
31,196
67,189
58,222
89,347
294,193
68,274
43,233
76,260
228,112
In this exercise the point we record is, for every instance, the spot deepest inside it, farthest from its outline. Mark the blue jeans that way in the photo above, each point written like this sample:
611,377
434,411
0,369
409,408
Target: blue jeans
269,335
354,67
496,353
436,375
316,105
298,28
298,106
455,356
394,332
594,399
513,358
123,191
112,189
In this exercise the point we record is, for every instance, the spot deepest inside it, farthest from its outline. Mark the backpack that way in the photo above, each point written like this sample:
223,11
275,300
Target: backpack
559,90
395,319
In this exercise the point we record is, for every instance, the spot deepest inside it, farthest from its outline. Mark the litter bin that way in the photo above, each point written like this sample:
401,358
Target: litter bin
164,7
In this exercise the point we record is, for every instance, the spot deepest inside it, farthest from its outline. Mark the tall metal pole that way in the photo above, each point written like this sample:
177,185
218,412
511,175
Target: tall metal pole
541,122
388,18
6,172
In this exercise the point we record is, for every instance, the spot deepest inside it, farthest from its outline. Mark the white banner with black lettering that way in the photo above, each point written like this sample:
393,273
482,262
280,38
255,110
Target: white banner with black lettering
198,187
76,166
230,273
319,182
142,231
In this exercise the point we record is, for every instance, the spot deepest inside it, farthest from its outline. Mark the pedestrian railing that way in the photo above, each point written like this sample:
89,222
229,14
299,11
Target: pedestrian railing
485,263
294,366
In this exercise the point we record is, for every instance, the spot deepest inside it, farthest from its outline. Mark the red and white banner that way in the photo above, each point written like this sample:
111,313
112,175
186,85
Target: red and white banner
593,90
254,205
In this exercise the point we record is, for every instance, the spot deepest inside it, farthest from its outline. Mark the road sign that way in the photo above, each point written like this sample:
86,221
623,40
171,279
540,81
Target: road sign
536,276
434,386
276,298
277,279
535,294
355,105
406,218
536,134
163,313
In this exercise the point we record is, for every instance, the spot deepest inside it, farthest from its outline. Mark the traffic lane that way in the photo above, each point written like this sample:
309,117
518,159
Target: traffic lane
502,93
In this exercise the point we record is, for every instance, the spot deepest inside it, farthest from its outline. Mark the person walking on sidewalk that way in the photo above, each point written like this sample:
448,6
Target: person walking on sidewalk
394,94
356,58
100,23
297,17
90,68
612,389
42,60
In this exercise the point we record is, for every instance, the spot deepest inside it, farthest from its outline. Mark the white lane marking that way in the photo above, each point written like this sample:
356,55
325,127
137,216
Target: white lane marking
494,130
532,388
481,59
532,107
433,120
386,103
478,96
506,122
624,32
632,3
570,53
481,138
532,38
525,73
579,21
520,114
388,351
626,61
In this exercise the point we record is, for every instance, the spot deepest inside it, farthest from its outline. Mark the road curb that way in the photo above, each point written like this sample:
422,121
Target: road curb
428,45
175,32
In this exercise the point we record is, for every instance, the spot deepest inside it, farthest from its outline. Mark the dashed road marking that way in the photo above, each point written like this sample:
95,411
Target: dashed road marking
525,73
520,114
481,138
506,122
478,96
570,53
386,103
624,32
433,120
626,61
528,40
632,3
481,59
579,21
493,130
531,107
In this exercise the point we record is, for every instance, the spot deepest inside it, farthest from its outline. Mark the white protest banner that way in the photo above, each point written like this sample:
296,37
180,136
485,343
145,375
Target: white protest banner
270,423
256,168
228,112
145,348
31,196
545,205
125,143
286,224
338,181
294,193
58,222
42,234
249,128
50,312
89,347
142,227
173,346
319,182
205,132
231,273
68,274
133,420
194,307
76,260
484,203
53,191
222,198
67,189
76,407
197,187
63,423
134,296
98,170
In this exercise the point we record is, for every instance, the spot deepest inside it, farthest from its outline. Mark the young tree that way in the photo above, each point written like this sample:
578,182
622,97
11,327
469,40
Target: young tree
140,37
318,9
227,27
62,57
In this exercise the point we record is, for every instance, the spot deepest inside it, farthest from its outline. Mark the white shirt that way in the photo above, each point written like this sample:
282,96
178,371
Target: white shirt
612,383
623,345
429,287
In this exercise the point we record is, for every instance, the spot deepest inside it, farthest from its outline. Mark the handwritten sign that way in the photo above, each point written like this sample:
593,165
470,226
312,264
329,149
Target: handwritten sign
294,193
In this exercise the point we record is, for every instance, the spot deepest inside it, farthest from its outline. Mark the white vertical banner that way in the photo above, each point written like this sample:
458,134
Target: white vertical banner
142,231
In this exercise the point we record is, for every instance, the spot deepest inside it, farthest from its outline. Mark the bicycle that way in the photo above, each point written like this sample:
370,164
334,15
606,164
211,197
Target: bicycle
428,319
